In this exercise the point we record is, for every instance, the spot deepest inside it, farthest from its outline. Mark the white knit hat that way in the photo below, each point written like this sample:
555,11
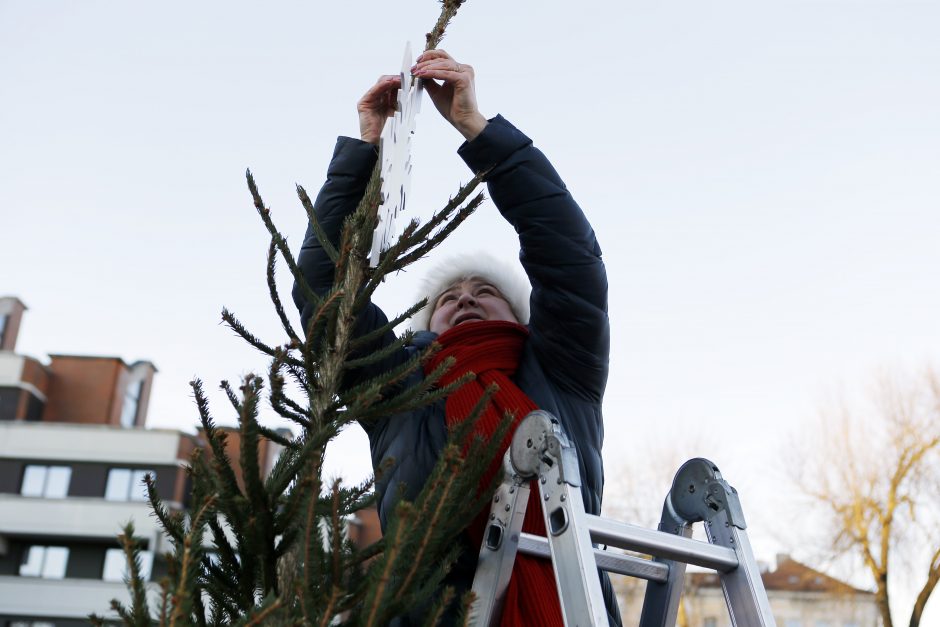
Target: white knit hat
506,277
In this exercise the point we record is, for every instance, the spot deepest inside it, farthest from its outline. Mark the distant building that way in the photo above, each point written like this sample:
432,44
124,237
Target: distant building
364,527
73,455
799,597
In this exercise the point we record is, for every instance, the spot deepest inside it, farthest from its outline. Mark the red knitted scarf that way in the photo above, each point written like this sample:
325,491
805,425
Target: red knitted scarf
492,349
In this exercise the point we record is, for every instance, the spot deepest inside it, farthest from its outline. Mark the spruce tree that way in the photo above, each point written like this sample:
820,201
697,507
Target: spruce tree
273,550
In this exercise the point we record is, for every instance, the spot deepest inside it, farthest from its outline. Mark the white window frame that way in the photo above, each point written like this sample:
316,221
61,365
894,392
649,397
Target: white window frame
53,481
130,489
45,562
131,406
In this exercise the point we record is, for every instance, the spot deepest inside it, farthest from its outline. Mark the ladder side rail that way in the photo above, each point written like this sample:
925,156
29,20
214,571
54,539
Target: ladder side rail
569,539
742,587
661,601
541,448
499,547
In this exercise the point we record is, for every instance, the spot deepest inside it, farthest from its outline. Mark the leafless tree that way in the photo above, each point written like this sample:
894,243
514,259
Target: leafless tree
875,477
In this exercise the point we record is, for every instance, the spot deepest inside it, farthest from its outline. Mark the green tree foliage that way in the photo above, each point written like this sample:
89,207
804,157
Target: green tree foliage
272,549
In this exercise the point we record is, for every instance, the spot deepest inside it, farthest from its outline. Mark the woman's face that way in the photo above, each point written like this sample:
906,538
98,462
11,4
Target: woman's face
470,300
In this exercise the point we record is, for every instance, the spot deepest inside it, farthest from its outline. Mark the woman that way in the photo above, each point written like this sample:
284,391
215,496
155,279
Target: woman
557,362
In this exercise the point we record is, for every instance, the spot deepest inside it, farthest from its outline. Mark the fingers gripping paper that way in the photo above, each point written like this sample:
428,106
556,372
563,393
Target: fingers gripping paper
395,156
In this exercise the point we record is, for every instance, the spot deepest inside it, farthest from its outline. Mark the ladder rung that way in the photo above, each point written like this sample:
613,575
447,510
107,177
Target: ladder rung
611,562
660,544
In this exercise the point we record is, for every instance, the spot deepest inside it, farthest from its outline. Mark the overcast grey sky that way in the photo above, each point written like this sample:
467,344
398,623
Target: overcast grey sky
762,178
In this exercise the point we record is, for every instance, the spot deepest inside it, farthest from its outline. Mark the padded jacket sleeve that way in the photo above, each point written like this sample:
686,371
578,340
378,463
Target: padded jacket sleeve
569,328
346,181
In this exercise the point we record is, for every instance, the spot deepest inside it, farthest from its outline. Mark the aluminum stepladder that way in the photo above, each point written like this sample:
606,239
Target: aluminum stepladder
541,451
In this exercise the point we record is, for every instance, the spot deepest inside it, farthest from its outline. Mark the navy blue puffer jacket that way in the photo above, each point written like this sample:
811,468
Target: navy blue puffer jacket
564,364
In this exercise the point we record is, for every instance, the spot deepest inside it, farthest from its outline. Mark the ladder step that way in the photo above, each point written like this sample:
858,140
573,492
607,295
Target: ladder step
659,544
620,564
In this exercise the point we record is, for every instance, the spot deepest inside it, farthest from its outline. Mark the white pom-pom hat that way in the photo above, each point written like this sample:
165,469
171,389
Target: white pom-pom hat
508,278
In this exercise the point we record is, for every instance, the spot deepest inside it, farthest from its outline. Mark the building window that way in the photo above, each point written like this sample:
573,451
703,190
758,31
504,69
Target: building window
47,562
710,622
115,565
131,403
793,622
125,484
9,402
3,326
51,482
31,623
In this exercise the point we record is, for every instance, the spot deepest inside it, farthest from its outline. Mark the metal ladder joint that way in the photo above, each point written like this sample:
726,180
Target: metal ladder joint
699,493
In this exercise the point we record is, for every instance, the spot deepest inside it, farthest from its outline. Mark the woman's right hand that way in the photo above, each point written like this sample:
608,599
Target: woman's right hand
455,98
376,106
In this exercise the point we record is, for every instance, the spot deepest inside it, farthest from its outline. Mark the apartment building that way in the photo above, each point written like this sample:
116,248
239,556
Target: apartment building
73,455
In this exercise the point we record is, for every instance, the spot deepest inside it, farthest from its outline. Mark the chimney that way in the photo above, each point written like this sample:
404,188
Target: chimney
11,314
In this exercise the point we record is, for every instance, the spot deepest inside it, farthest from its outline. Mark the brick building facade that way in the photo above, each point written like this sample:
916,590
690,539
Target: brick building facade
73,454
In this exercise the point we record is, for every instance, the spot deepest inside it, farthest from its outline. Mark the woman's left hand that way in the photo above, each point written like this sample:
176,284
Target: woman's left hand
456,98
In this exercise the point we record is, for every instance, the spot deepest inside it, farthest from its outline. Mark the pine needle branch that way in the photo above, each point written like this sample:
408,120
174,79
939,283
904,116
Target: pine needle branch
420,394
277,386
227,556
185,593
282,403
322,237
436,614
230,394
311,530
172,523
453,204
370,391
440,221
432,241
275,437
404,513
275,297
280,242
363,341
260,617
448,11
139,614
320,320
235,325
380,355
262,529
216,441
